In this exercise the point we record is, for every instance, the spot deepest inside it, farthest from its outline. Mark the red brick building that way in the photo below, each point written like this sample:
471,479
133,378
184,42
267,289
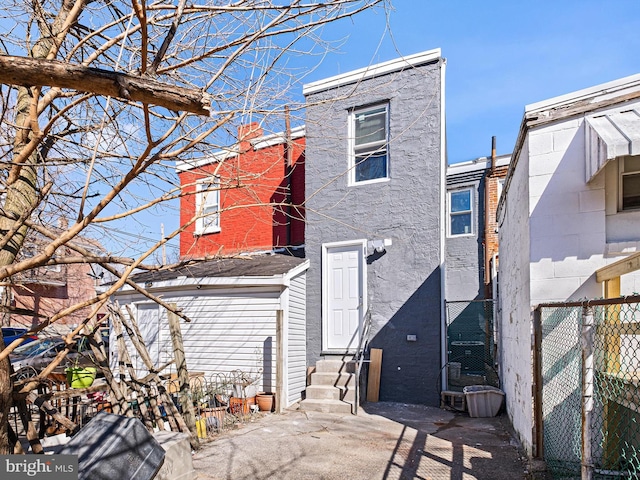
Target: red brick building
493,183
46,291
250,199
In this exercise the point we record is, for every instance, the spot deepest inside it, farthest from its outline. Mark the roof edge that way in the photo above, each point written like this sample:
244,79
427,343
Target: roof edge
612,88
480,163
604,95
258,143
390,66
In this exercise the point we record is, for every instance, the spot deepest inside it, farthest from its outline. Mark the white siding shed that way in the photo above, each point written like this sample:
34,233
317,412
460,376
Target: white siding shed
234,305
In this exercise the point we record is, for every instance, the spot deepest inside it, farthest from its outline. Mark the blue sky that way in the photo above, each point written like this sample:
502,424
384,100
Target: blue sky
501,56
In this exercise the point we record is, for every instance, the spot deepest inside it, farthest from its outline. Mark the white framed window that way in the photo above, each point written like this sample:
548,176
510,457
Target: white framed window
368,144
460,212
629,191
208,205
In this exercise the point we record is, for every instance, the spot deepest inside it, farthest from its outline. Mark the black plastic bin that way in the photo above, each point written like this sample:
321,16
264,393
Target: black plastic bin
114,447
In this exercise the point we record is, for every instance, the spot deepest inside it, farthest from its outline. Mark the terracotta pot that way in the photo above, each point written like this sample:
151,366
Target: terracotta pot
266,402
241,405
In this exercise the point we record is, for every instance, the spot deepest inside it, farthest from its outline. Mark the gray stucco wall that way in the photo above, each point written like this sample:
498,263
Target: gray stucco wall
404,283
464,253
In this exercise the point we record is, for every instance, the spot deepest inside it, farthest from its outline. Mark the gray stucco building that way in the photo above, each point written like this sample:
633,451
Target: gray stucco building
375,168
471,257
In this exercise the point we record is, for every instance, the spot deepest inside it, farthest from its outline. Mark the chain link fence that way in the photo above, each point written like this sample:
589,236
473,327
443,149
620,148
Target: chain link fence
470,344
590,373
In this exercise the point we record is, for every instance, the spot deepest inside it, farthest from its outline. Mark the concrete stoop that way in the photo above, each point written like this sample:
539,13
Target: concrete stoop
332,387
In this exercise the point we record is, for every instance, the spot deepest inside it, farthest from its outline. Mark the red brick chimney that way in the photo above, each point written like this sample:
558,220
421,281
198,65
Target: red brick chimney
246,133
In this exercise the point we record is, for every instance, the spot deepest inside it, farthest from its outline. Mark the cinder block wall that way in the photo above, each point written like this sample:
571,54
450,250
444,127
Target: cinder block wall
514,299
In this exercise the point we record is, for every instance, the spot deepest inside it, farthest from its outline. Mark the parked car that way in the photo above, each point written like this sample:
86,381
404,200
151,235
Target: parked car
28,360
9,334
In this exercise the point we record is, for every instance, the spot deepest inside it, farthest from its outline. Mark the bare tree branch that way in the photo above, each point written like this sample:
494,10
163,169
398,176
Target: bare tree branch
29,72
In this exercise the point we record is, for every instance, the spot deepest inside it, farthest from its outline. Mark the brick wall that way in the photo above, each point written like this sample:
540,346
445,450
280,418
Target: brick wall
254,188
48,296
491,184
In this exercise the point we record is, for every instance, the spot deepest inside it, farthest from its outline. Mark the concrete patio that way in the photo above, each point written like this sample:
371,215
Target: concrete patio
384,441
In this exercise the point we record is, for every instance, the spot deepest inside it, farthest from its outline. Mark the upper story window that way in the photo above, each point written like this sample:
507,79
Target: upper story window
461,212
368,145
208,205
629,183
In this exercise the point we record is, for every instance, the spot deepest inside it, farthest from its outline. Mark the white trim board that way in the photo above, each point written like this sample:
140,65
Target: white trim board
390,66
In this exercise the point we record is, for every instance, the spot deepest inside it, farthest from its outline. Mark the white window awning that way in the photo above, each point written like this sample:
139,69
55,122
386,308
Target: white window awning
610,136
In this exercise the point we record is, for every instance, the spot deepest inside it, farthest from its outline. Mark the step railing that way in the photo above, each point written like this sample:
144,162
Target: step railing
360,354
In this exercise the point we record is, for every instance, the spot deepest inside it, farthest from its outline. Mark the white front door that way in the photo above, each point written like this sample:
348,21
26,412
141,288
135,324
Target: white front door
344,299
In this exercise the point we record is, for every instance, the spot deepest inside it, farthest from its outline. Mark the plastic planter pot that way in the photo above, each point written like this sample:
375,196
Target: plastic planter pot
79,377
483,400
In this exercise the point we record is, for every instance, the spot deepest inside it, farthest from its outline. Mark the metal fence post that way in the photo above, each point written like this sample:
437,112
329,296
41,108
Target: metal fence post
538,420
587,390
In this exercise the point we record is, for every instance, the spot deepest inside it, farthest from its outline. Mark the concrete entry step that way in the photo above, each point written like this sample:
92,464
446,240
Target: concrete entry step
335,365
332,378
326,406
319,392
331,386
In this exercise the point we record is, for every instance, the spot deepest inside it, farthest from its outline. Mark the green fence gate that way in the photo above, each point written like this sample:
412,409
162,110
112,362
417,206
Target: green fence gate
470,344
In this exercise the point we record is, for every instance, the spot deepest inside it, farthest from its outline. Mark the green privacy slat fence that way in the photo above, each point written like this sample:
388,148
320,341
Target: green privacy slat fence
470,344
601,398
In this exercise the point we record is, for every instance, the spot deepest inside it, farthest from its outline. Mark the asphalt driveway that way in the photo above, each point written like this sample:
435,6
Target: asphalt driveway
384,441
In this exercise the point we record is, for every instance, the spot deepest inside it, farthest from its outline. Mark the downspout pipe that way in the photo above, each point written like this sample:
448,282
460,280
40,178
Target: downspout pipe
288,171
443,187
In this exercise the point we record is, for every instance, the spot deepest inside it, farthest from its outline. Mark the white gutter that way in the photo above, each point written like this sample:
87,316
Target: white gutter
443,220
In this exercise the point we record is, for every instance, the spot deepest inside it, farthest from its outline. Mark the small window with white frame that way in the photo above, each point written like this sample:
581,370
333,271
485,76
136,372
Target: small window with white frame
368,144
208,205
629,198
461,212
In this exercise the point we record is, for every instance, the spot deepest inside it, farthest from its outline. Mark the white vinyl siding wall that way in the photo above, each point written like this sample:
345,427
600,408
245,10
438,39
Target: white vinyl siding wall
229,331
234,328
297,339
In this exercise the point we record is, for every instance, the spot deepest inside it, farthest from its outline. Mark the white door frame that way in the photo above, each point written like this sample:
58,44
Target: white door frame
361,245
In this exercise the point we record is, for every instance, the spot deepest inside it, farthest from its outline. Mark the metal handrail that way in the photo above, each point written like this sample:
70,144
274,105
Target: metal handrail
359,356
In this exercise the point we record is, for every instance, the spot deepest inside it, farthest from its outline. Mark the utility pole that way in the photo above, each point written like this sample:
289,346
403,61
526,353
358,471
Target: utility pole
164,246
